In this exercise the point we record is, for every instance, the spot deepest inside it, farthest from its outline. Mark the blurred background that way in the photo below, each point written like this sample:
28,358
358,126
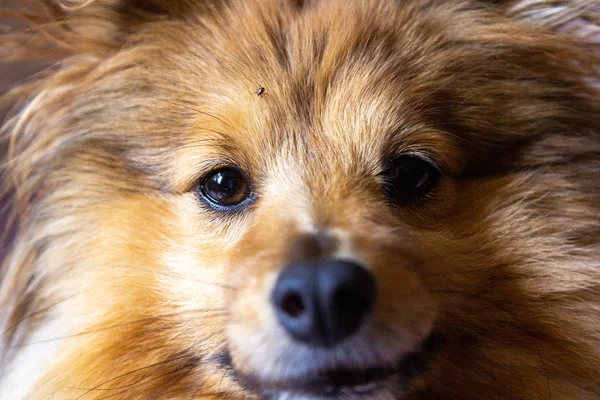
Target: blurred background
9,75
13,73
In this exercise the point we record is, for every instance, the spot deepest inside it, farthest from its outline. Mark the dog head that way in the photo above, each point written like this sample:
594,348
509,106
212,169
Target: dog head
309,200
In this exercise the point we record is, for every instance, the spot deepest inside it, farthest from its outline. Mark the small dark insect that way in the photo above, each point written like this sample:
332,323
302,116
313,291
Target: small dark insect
260,91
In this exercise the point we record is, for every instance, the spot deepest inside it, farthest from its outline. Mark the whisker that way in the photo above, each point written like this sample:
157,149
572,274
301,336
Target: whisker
99,387
189,279
225,372
190,144
190,108
192,363
516,319
221,285
176,380
172,383
33,314
224,312
437,89
485,371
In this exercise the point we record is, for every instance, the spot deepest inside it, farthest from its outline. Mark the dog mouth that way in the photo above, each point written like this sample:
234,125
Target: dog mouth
330,383
342,382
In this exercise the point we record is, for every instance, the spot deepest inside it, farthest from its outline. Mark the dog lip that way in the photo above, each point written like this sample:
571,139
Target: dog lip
350,377
325,384
337,383
333,381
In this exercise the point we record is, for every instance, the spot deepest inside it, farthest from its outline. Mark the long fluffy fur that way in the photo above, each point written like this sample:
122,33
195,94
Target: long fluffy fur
108,260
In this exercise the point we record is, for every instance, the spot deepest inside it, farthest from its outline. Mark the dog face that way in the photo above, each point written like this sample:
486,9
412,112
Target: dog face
374,200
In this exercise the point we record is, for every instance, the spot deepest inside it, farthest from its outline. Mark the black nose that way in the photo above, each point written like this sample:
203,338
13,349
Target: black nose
322,302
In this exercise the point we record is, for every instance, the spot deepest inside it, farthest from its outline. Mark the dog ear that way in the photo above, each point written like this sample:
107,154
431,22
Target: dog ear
55,28
581,18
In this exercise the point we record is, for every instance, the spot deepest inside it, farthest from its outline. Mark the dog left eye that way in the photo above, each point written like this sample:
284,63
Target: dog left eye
225,188
409,178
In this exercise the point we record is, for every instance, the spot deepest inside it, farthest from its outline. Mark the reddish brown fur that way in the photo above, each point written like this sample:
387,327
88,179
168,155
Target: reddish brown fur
149,286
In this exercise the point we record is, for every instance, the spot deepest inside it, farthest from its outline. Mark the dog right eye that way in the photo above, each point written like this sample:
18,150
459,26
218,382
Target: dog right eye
225,188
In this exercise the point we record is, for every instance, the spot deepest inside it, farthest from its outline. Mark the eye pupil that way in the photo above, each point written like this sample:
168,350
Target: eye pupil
225,187
409,178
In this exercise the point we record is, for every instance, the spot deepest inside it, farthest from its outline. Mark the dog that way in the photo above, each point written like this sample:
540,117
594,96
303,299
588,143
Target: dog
303,200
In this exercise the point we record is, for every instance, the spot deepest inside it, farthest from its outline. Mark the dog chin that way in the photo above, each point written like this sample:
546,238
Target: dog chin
345,381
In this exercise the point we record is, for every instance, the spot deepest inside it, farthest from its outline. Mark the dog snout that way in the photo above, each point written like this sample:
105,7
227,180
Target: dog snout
322,302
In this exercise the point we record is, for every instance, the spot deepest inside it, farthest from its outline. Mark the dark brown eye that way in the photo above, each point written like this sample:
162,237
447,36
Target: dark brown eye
225,188
409,178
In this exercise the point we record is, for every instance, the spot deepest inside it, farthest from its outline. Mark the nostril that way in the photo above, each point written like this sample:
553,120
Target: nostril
294,299
293,305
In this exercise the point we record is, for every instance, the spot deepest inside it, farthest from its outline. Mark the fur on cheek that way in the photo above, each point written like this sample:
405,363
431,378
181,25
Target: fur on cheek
512,308
119,312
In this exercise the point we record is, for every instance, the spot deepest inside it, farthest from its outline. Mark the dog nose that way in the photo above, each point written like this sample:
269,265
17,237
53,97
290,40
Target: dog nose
323,302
